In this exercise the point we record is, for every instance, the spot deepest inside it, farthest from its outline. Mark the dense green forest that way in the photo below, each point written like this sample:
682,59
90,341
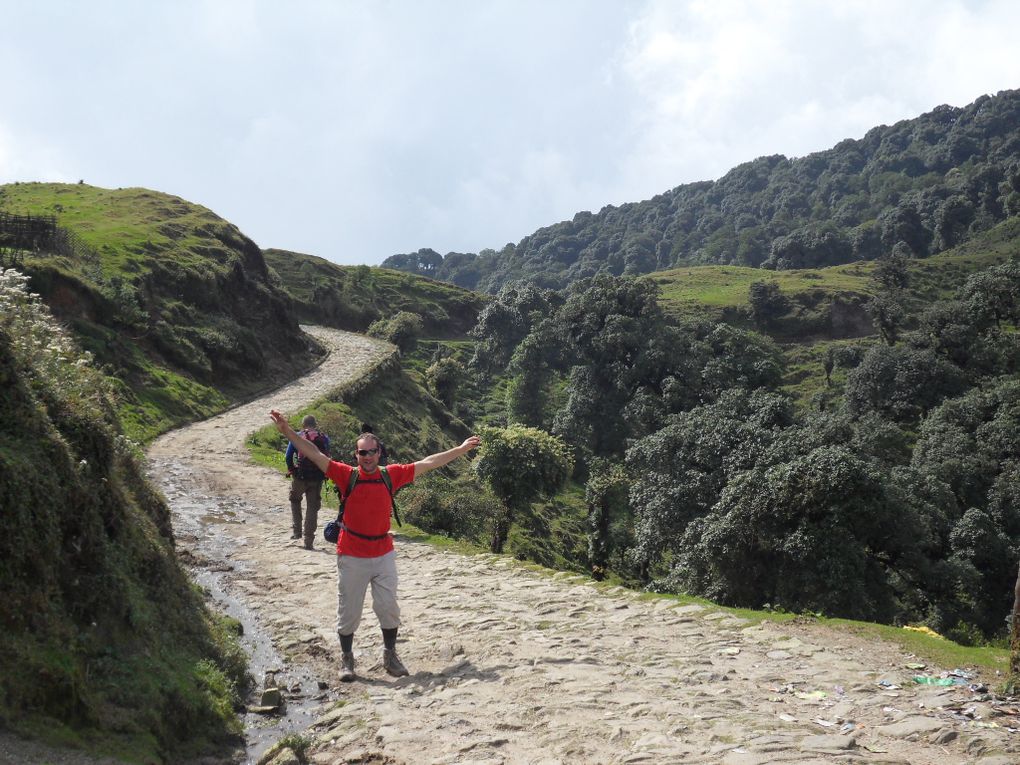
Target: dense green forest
888,496
918,187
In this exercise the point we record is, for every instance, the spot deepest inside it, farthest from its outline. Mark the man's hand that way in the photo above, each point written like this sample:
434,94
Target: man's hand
279,421
470,443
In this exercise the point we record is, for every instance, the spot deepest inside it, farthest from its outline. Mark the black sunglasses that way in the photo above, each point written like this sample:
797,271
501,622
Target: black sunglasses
367,452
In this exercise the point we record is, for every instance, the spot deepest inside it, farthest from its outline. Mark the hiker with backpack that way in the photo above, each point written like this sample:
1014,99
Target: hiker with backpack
306,482
365,554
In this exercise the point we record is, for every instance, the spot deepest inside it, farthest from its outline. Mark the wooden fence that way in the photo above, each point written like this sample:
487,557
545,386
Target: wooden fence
39,234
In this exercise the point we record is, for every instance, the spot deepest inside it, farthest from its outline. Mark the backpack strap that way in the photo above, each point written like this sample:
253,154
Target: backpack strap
389,487
387,482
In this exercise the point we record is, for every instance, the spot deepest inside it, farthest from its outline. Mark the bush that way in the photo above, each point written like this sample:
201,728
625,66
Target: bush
454,510
403,330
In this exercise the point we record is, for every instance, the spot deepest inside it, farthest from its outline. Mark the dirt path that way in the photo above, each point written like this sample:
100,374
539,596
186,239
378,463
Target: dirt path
515,666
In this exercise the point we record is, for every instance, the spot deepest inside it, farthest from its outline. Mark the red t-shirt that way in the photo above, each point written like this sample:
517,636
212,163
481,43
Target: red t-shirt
367,511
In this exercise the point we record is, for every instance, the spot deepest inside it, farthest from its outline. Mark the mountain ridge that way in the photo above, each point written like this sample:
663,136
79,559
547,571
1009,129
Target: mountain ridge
927,183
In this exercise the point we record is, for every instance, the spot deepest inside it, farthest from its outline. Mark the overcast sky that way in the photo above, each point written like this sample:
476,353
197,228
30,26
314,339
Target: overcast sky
356,130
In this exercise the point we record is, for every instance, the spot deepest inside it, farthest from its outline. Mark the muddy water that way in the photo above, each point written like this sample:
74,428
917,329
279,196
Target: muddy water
200,522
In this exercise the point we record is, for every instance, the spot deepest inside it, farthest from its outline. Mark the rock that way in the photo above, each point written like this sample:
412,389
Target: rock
827,743
285,757
329,719
271,697
911,727
259,710
945,737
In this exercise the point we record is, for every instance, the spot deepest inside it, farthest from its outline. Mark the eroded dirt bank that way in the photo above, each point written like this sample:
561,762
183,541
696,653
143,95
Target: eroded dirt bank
513,666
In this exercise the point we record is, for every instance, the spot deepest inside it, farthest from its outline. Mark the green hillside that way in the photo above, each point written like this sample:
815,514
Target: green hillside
174,302
106,645
352,297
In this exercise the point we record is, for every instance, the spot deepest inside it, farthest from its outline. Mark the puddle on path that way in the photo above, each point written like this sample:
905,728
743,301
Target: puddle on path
195,521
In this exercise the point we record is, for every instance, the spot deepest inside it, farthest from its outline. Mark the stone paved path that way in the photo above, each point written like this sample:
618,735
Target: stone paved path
514,665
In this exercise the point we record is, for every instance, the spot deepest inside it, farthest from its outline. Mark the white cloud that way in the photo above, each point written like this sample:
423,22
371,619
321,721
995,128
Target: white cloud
725,82
25,159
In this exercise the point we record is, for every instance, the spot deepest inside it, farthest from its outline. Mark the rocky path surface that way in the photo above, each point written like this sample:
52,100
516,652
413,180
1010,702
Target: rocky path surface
513,665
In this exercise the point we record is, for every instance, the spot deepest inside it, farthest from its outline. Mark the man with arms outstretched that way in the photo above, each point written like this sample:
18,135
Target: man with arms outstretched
365,554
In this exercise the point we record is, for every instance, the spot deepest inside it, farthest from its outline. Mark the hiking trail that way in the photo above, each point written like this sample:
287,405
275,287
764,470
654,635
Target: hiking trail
513,665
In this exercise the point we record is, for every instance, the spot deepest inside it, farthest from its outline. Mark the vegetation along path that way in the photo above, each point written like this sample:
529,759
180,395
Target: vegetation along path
513,665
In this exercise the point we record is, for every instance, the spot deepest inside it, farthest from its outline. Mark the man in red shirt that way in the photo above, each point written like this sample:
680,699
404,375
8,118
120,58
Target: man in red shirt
365,554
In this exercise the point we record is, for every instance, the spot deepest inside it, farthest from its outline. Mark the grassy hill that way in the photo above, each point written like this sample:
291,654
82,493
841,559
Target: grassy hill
175,302
723,290
352,297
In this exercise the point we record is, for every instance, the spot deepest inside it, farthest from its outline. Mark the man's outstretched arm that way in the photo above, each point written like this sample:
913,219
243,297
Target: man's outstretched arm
434,461
302,444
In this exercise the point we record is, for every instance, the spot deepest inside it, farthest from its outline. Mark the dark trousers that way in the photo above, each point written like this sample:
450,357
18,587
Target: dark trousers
312,491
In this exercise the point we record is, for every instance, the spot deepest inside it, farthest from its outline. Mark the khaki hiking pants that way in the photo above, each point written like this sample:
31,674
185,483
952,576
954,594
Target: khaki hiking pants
354,575
312,491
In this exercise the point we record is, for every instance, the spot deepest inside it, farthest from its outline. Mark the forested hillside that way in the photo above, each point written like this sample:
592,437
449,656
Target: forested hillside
890,495
918,187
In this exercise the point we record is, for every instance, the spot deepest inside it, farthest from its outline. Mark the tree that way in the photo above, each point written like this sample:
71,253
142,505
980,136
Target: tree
901,383
951,221
972,443
952,330
815,533
767,302
969,441
891,274
887,315
532,367
402,329
520,465
685,465
605,494
444,378
993,295
607,326
507,320
903,223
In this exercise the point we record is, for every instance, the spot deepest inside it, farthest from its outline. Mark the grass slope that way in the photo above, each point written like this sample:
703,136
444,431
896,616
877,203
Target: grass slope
723,290
175,301
827,304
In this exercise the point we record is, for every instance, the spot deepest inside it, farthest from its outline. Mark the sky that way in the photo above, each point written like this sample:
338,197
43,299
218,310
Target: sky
357,130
